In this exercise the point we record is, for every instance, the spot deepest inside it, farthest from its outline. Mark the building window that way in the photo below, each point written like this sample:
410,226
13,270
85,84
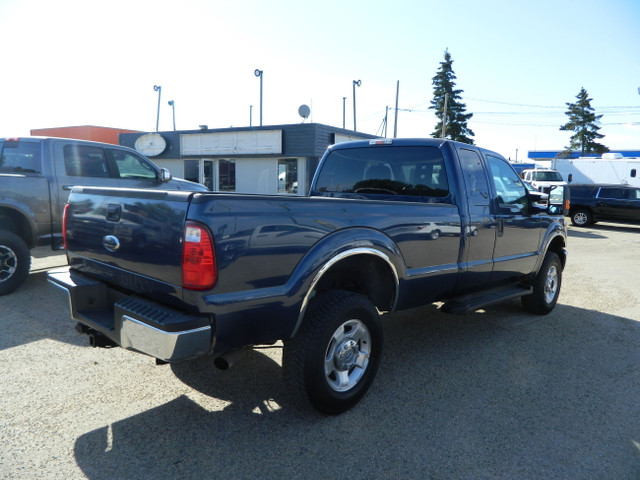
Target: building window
227,175
287,175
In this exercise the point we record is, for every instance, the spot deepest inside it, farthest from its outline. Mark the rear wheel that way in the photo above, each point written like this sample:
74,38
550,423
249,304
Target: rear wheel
15,262
581,218
546,286
334,358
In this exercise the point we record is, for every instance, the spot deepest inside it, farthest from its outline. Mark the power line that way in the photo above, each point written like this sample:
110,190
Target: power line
544,106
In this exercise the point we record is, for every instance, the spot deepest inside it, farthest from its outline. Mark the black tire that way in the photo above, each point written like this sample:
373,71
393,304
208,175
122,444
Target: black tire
546,286
334,357
581,217
15,262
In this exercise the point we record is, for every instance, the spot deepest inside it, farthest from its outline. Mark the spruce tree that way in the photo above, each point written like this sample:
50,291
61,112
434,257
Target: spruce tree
456,122
583,121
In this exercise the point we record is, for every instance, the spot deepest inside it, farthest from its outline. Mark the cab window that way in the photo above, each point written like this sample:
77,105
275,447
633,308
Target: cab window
390,172
19,157
474,178
85,161
614,193
129,165
510,192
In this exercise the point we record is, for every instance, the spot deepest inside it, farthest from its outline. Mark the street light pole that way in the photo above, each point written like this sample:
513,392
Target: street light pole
259,73
173,108
356,83
158,89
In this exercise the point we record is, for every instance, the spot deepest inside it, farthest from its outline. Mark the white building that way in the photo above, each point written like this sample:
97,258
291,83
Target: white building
279,159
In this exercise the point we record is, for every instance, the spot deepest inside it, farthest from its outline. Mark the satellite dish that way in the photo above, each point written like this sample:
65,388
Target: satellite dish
304,111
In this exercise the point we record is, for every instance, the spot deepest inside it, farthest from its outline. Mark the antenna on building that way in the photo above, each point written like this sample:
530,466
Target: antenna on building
304,111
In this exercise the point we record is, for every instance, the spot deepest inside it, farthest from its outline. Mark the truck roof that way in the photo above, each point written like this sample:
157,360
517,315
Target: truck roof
407,142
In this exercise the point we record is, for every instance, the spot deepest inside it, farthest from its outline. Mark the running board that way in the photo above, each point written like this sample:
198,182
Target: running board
471,303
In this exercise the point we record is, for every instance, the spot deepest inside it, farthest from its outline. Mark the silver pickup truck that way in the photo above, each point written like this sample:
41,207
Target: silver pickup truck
36,177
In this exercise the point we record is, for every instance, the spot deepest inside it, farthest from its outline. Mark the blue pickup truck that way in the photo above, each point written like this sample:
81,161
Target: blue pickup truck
387,225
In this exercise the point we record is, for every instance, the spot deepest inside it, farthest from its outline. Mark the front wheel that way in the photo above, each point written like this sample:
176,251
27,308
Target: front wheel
546,286
333,359
15,262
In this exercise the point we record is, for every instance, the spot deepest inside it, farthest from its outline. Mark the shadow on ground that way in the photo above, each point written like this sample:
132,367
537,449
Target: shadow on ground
494,395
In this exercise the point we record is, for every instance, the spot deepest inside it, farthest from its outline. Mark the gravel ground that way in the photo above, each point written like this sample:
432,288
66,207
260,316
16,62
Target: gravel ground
498,394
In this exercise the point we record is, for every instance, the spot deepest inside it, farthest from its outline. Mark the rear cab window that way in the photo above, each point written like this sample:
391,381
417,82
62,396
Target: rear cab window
20,157
407,173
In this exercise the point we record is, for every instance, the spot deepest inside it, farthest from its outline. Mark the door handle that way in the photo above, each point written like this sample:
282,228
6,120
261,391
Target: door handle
113,212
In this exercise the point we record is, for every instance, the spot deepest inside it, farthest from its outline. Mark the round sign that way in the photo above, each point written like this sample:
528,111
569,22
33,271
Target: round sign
150,144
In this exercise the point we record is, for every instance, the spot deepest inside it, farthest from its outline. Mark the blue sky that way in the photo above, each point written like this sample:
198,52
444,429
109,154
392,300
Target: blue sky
95,63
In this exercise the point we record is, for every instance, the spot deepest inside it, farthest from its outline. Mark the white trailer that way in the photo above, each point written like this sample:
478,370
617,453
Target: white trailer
610,168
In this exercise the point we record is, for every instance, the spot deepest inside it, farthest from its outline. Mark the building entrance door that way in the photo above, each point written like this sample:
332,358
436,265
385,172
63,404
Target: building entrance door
206,176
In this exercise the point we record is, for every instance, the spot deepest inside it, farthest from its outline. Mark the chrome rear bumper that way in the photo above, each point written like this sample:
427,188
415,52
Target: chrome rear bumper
134,323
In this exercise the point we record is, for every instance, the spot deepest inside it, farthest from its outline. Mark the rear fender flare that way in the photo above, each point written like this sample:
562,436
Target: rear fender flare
21,220
341,246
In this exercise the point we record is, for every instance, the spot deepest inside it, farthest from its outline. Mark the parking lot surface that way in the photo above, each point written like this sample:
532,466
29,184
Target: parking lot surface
497,394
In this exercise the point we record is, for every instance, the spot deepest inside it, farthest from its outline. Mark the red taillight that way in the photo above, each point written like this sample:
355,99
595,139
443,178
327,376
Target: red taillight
65,215
198,258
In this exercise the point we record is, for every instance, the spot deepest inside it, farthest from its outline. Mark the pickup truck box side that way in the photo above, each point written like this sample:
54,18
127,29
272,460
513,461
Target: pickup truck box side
388,225
36,177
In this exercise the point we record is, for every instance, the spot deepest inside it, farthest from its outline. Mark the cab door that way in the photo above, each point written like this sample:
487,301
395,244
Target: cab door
480,226
518,233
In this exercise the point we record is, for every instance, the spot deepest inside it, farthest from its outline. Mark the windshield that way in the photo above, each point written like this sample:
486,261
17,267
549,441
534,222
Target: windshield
548,177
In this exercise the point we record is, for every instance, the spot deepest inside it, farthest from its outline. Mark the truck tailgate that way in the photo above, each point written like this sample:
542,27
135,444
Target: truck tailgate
131,237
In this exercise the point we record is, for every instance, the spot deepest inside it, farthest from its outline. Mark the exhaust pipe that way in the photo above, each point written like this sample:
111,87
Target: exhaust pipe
229,359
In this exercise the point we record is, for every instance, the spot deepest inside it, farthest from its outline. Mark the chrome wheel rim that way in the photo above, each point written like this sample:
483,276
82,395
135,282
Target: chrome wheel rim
347,355
8,263
551,284
580,218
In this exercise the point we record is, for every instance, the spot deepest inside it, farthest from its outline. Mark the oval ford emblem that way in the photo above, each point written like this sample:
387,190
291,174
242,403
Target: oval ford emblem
111,243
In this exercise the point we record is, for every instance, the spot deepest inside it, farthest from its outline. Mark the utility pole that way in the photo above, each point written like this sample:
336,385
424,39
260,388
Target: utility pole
395,123
444,114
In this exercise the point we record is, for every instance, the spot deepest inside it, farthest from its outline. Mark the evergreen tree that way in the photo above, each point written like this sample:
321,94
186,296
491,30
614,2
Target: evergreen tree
583,121
456,121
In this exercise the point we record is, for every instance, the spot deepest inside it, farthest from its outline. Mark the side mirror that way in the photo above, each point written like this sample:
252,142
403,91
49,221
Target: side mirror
165,175
559,201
